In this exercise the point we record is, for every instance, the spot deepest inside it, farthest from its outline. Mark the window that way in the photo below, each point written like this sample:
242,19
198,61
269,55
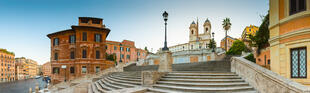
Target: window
122,56
72,39
72,70
122,49
56,56
97,37
84,20
72,56
84,53
84,36
128,49
56,42
84,69
115,48
97,54
192,31
128,56
138,53
297,6
299,63
55,70
97,69
96,21
265,60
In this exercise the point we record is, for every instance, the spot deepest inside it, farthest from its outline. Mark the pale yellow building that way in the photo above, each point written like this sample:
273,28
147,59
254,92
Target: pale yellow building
27,68
290,39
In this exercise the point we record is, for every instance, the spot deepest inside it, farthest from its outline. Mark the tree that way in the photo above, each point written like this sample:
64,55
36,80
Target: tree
226,25
111,57
262,36
237,48
212,44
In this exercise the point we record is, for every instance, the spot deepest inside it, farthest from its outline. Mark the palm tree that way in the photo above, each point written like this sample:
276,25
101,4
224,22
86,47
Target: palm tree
226,25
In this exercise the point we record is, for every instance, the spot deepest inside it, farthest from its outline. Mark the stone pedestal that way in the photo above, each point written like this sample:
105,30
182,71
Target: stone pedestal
165,64
149,78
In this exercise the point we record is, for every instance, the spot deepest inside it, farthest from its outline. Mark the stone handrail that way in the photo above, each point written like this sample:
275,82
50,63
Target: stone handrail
264,80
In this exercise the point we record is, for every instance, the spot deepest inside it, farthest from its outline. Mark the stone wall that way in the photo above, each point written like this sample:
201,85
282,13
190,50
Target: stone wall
264,80
197,66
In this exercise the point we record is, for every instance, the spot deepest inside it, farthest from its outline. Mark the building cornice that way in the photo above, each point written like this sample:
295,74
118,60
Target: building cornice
275,40
290,18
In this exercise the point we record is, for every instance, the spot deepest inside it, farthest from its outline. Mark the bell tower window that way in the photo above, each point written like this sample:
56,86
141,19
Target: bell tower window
207,29
192,31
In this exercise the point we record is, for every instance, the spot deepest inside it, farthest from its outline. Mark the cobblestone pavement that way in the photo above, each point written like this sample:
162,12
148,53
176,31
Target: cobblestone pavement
21,86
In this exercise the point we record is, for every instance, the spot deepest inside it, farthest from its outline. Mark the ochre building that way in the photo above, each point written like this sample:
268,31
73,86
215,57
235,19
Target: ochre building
290,39
230,41
125,50
7,67
249,30
80,50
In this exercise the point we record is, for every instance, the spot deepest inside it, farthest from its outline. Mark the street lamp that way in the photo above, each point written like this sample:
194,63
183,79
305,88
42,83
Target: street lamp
120,53
213,42
165,15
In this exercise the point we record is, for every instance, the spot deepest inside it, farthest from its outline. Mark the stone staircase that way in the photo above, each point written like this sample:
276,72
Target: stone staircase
204,77
203,82
115,81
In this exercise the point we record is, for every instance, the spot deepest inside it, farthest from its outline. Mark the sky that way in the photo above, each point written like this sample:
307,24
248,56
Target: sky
25,23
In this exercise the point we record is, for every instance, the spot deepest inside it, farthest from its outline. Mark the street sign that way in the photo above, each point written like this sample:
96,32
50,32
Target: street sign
63,66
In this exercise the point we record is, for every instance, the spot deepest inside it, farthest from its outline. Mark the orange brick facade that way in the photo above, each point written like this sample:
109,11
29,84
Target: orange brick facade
128,51
7,67
79,51
263,59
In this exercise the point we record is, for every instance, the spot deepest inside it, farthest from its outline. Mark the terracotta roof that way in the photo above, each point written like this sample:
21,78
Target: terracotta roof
90,18
73,29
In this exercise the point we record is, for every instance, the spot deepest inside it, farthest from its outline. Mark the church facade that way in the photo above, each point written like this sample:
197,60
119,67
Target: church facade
197,41
195,50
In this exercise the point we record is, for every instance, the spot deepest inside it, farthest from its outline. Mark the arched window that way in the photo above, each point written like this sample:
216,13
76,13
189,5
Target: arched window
192,31
207,29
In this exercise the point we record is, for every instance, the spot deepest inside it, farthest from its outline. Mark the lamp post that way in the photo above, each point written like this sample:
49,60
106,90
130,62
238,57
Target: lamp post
165,15
120,53
213,42
137,56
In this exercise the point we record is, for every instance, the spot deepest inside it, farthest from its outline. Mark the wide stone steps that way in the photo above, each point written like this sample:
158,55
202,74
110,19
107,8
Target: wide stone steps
205,82
204,77
115,81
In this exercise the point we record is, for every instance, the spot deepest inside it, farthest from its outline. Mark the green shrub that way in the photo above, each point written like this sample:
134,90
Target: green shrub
251,58
237,48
